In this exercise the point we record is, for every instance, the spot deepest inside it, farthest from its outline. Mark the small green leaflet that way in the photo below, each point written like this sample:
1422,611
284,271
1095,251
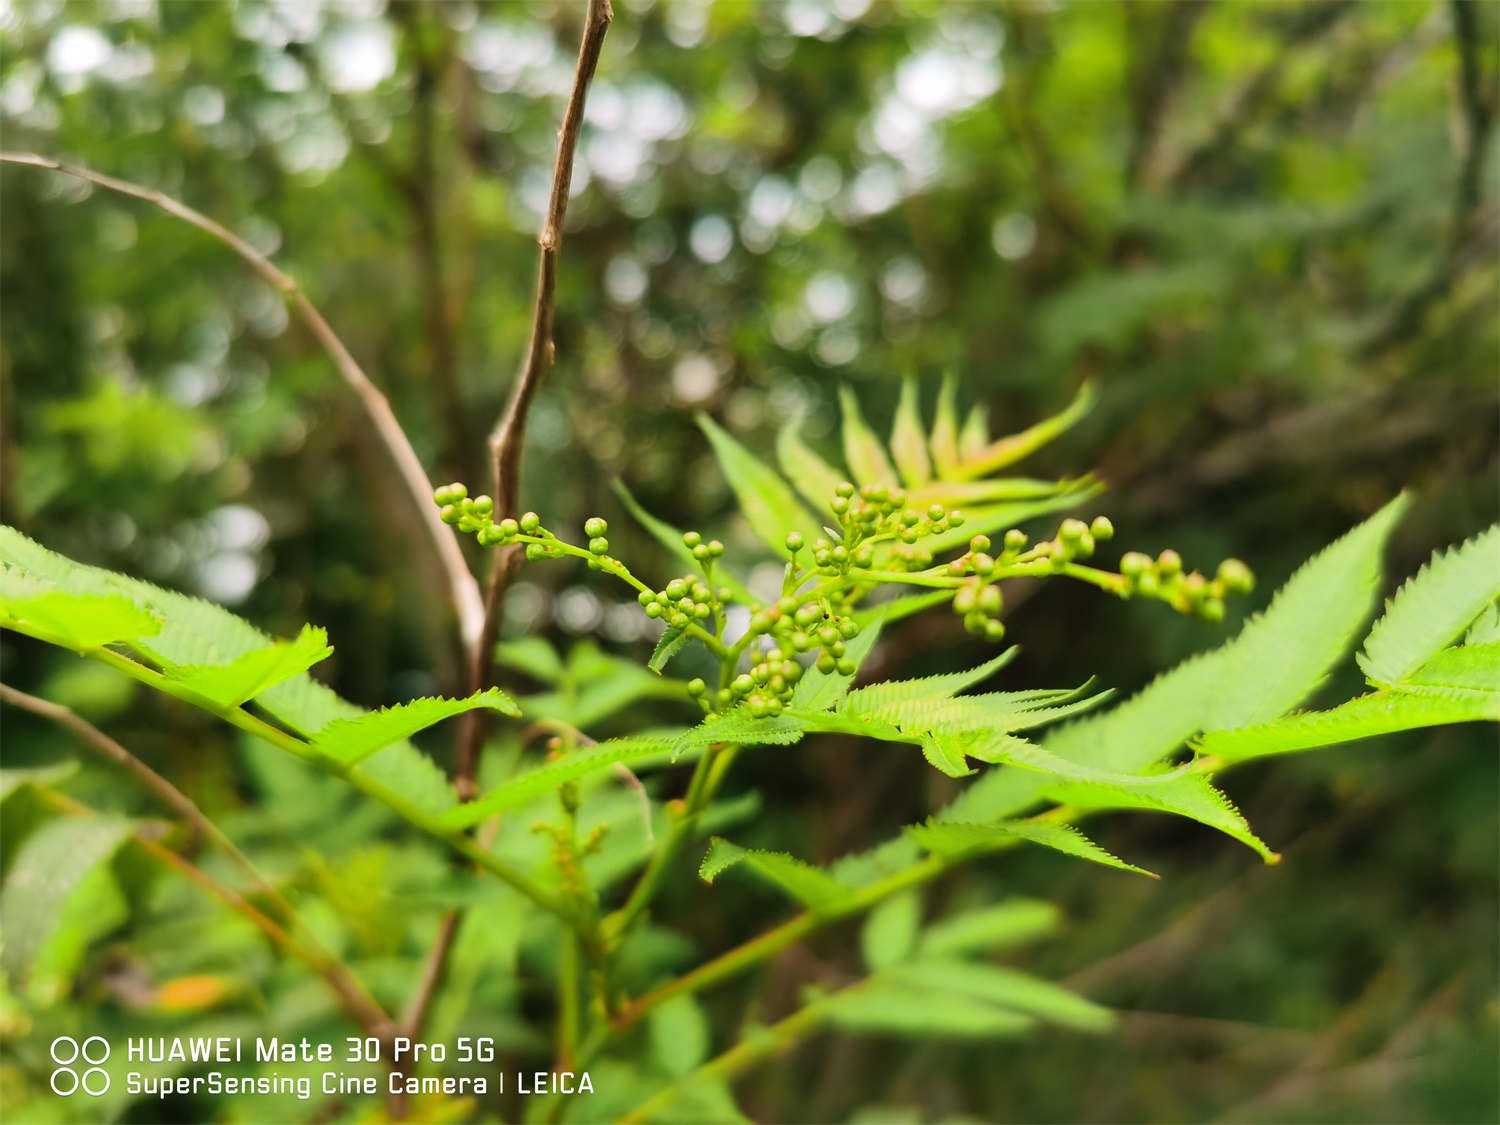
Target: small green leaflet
1011,449
353,739
990,928
887,1008
668,645
814,477
769,504
1433,608
1004,988
814,888
1365,717
870,701
908,441
1464,671
944,441
528,786
77,621
251,673
890,931
863,451
950,839
48,868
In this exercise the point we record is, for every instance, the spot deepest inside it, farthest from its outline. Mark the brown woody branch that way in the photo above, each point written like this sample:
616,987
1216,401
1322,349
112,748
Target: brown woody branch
506,439
463,590
505,452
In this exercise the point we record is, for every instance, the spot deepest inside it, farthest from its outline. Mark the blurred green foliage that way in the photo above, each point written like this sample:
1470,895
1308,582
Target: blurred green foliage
1267,231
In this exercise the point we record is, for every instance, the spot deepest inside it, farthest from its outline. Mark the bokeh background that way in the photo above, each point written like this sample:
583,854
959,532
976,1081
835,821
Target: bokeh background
1267,230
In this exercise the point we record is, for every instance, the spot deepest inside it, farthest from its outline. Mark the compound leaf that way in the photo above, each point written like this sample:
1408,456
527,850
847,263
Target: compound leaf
352,739
813,888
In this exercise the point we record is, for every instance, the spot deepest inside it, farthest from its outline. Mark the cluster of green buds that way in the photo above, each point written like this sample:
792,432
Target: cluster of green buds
873,514
765,689
1191,591
476,516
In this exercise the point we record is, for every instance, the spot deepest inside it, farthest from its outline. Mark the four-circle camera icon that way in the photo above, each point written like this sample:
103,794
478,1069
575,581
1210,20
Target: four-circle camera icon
66,1052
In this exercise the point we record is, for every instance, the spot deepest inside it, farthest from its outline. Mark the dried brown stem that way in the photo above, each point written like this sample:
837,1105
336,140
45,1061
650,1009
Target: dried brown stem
463,590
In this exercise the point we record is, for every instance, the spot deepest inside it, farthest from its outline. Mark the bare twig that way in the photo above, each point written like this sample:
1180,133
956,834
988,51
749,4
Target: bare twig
505,452
358,1004
169,795
463,590
506,439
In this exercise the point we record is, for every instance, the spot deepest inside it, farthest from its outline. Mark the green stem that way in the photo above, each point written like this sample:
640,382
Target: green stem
567,1004
756,1045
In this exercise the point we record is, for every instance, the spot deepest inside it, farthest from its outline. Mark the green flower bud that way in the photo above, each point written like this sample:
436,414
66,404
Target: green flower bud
1015,539
481,505
966,600
489,536
839,554
1169,562
599,546
975,622
979,544
691,539
676,589
1211,610
1102,529
450,514
828,636
645,597
450,493
840,505
845,489
990,600
1071,530
955,518
801,642
701,552
848,628
1236,577
984,564
936,512
594,527
715,548
535,552
677,619
844,666
1134,563
530,522
696,687
791,671
723,697
826,664
794,541
993,631
807,614
509,528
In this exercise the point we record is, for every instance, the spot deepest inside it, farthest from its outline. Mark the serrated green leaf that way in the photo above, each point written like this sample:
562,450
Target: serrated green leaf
77,621
1486,627
769,505
739,727
872,700
946,752
251,673
995,927
48,868
1185,794
1008,450
951,839
679,1035
668,645
527,787
890,931
882,1008
1433,608
1464,670
944,440
1365,717
813,477
353,739
815,889
818,691
1005,988
863,451
908,439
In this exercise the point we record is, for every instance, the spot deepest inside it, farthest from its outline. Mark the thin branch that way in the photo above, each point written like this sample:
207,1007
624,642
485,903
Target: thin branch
463,590
358,1004
505,452
169,795
506,439
1156,81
